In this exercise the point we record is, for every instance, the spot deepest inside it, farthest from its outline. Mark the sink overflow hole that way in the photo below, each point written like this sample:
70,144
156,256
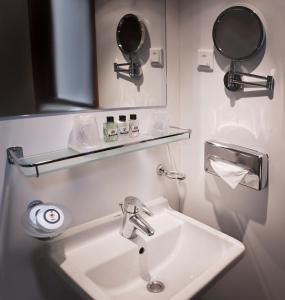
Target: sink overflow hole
155,286
141,251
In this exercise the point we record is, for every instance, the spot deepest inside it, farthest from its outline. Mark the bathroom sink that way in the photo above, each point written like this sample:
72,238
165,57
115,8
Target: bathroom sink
181,258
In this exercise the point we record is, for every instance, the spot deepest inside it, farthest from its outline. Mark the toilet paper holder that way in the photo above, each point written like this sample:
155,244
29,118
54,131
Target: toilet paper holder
252,160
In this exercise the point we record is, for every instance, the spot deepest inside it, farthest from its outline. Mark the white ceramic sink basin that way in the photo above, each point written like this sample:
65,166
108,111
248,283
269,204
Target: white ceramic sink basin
184,254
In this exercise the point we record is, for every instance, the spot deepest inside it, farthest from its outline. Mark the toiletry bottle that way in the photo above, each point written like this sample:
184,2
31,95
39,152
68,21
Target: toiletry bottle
110,129
123,126
134,126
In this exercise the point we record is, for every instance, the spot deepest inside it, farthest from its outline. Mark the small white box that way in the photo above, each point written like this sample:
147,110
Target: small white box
156,57
206,59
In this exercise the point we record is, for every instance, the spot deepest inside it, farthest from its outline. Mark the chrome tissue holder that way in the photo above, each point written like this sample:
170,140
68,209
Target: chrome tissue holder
254,161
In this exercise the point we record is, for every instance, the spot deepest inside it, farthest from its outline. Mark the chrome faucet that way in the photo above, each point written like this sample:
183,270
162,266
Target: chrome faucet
133,220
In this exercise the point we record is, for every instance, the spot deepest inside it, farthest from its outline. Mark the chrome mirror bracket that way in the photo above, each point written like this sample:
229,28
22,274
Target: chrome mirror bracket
233,80
133,70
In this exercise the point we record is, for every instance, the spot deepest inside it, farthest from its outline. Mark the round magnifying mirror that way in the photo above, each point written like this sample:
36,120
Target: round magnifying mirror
238,33
130,34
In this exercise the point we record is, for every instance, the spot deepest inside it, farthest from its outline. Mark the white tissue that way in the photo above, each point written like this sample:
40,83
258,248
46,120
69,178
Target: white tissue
229,172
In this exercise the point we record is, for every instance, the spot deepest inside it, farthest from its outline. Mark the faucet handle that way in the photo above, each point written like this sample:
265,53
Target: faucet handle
131,205
122,207
132,202
129,208
134,205
146,210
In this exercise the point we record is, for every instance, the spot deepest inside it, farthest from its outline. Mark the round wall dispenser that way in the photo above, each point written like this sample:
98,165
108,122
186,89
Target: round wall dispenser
45,220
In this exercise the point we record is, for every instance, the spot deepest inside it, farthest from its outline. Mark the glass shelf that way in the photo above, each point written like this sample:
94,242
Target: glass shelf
37,165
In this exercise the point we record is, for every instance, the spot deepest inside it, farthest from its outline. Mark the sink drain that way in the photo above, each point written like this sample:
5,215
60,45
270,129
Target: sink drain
155,286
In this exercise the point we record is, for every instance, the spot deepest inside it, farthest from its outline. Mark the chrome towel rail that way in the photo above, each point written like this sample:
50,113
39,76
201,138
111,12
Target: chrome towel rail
174,175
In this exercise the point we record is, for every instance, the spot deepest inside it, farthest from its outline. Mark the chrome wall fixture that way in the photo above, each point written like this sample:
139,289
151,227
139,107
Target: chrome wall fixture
45,220
131,209
130,38
239,35
173,175
133,70
233,80
253,161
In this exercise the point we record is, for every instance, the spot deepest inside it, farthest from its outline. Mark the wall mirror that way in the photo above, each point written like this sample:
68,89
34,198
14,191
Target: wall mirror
239,35
58,55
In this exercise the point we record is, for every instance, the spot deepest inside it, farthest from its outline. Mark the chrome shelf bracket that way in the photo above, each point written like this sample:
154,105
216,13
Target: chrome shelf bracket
14,153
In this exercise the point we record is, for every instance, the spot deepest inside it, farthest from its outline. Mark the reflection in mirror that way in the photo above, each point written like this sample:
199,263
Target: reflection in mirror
63,48
122,89
130,34
58,55
48,59
130,38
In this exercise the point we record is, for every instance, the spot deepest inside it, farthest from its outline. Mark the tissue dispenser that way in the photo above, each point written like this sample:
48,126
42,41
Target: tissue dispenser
254,161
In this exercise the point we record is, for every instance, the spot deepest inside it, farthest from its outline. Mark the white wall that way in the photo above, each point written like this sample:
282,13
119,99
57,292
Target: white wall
89,191
254,121
121,91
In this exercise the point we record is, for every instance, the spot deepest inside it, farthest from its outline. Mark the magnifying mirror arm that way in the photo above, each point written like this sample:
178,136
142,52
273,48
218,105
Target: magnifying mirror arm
233,80
134,69
118,67
268,80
